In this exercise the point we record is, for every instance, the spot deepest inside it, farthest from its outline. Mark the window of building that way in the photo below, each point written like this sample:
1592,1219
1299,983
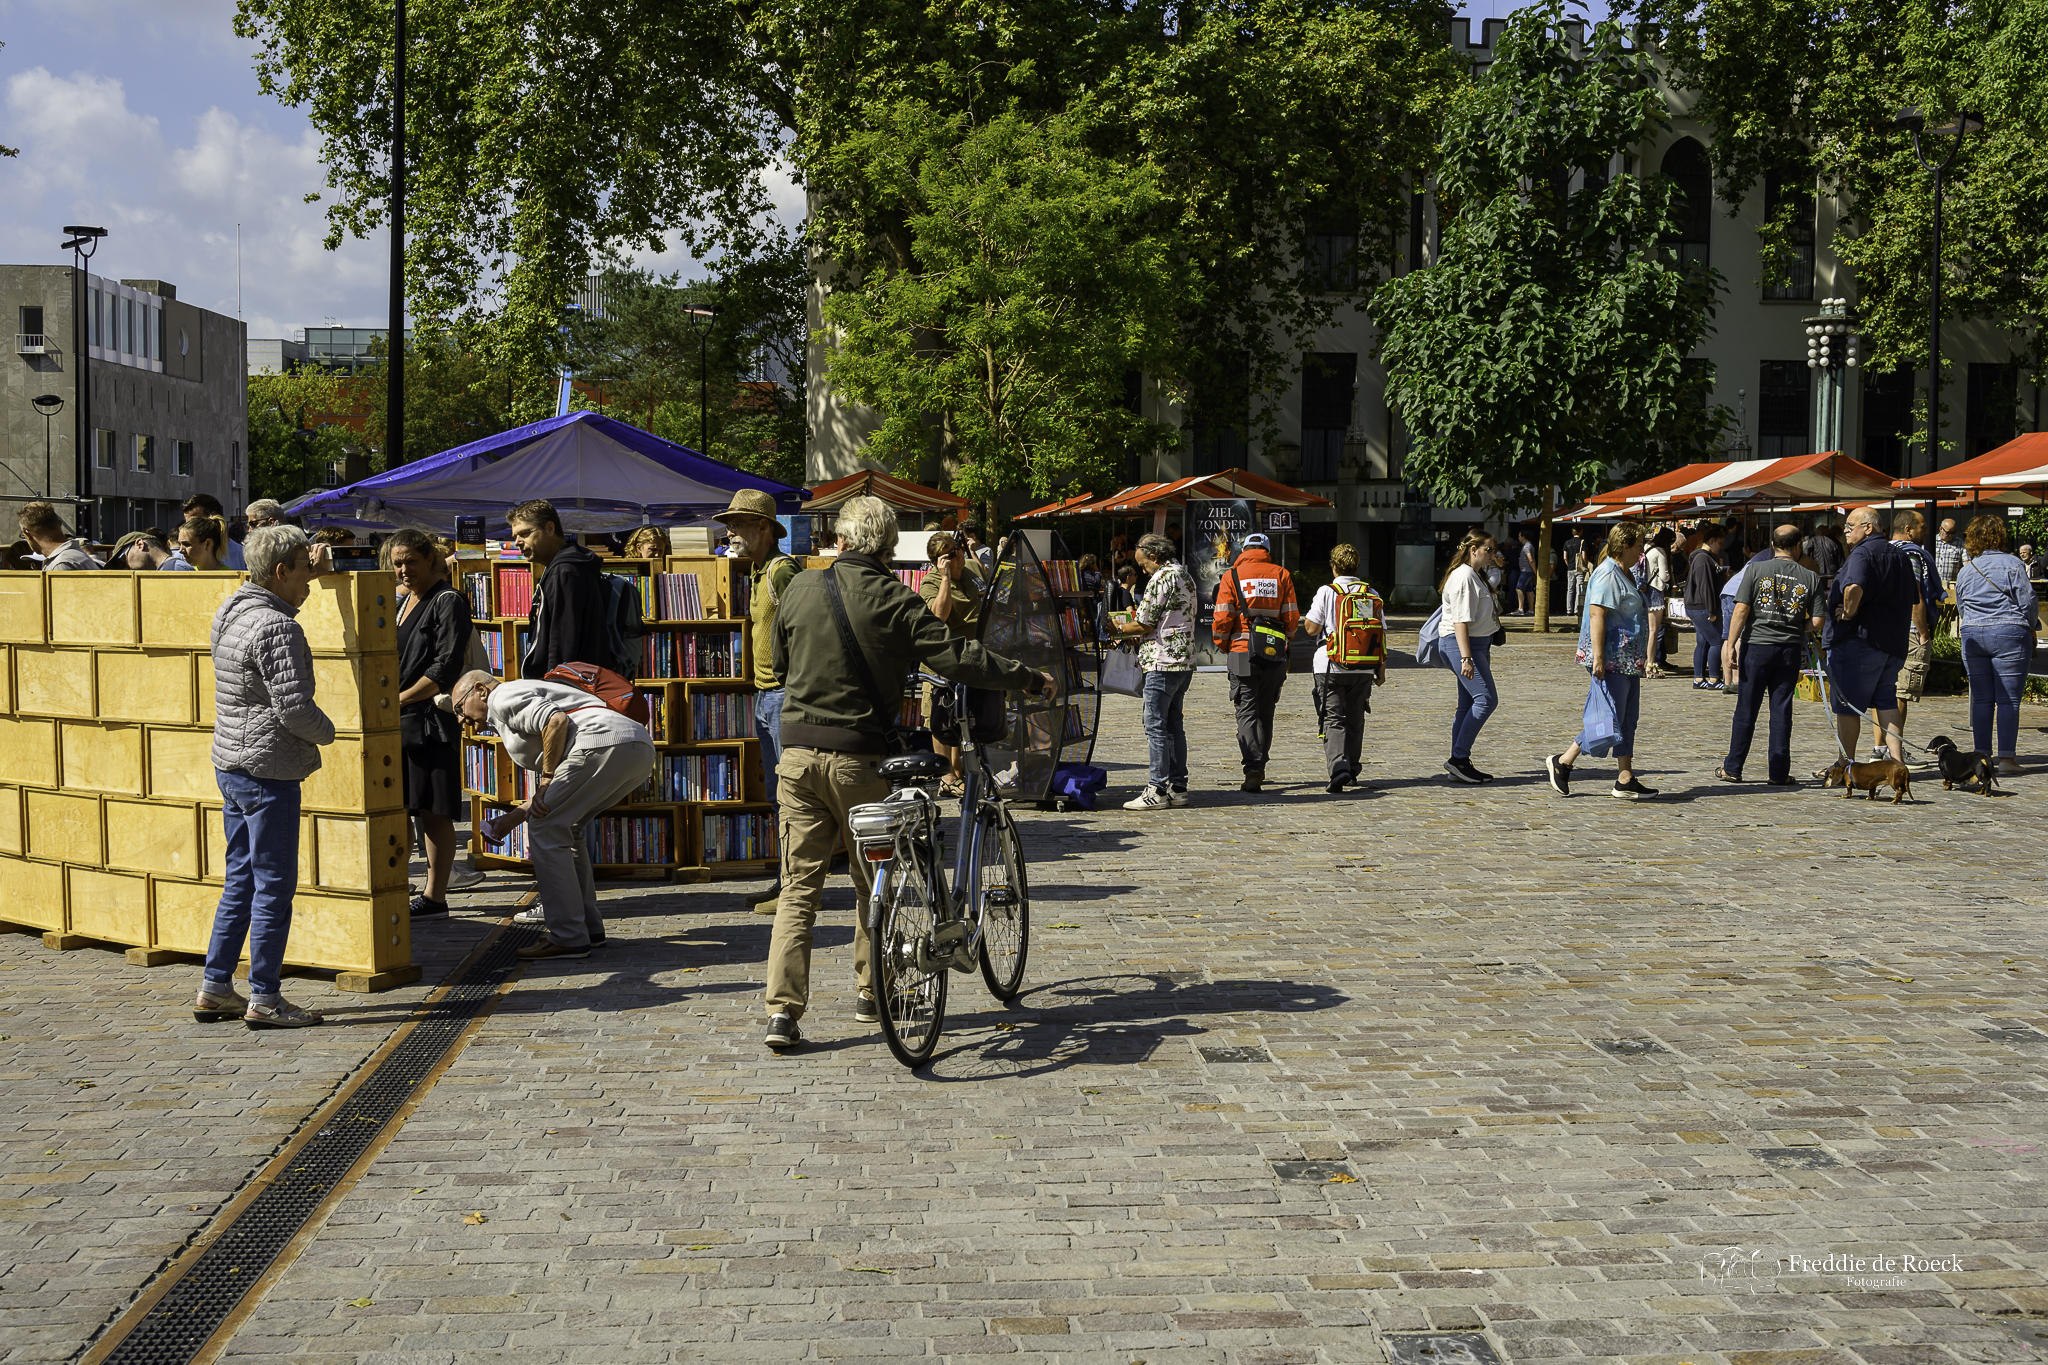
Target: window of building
1416,238
1693,211
1331,251
1992,417
1887,421
1327,382
1784,407
104,446
145,454
95,311
1794,194
181,459
31,325
1220,417
1133,403
234,464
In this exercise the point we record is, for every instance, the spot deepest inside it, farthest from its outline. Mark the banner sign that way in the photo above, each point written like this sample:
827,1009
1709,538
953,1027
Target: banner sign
1216,531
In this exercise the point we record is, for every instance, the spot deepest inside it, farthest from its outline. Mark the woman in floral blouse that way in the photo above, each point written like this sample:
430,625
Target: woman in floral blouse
1612,638
1165,622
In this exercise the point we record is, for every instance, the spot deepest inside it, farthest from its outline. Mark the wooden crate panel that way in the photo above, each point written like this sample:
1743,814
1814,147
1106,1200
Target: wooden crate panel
64,828
350,931
100,758
94,609
111,906
202,687
181,764
13,834
354,613
35,893
28,749
358,693
358,774
183,914
214,832
362,852
6,680
146,685
178,609
23,611
53,682
149,836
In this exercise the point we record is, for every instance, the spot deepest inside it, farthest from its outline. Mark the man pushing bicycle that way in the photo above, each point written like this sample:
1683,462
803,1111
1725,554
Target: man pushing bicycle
844,640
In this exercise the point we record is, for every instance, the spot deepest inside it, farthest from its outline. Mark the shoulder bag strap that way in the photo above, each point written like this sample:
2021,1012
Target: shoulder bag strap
858,660
1238,612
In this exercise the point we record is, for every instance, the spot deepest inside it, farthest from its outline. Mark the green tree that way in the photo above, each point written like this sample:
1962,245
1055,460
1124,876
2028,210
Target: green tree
1810,91
1543,349
453,395
297,426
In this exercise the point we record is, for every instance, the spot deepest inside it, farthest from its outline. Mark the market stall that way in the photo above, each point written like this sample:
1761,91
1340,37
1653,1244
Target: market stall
2013,475
1828,479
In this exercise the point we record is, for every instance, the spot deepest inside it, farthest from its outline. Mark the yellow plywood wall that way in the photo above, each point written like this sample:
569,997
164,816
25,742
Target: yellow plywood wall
110,814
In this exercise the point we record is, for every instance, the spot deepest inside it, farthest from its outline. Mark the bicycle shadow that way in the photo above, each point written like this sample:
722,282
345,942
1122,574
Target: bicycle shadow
1111,1020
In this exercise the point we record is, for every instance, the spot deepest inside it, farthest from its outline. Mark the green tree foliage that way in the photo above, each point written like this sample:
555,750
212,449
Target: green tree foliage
296,426
1542,350
453,395
1811,90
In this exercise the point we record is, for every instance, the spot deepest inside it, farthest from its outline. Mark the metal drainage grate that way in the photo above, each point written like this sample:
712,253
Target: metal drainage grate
1235,1054
192,1310
1439,1348
1795,1158
1630,1047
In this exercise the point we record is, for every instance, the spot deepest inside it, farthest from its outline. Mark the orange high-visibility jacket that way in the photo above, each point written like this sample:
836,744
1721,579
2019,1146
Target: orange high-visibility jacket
1268,596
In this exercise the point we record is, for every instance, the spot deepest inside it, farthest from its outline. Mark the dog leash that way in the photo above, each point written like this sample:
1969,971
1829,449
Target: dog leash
1829,695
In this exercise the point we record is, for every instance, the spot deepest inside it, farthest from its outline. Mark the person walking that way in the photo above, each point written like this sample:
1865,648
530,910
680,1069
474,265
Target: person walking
1703,607
1611,637
1351,656
586,758
757,536
2001,616
1777,610
1907,527
1655,578
42,530
1470,621
1870,609
267,733
1575,571
434,630
837,633
1165,621
952,588
1525,573
1255,598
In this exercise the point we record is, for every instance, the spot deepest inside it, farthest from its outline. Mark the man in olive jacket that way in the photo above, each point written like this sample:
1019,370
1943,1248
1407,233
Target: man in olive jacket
835,730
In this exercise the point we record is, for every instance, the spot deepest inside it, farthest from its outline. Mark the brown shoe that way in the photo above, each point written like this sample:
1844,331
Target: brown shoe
548,949
1253,780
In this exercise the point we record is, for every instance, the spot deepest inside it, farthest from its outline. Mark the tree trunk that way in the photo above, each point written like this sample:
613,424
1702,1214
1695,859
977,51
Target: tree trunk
1543,561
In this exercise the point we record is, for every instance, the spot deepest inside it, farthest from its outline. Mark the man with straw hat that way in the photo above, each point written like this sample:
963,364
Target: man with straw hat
757,536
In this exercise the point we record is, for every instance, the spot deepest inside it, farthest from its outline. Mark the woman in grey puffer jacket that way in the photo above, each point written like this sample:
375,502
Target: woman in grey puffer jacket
266,738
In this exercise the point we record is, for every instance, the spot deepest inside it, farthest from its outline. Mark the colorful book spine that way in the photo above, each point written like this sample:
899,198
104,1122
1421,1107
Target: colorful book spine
657,712
632,840
515,590
701,777
691,654
739,838
911,578
678,597
480,769
722,715
493,642
476,587
1065,574
1070,625
513,845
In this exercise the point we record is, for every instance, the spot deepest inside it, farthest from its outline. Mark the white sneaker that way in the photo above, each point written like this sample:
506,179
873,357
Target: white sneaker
1149,799
1176,797
534,916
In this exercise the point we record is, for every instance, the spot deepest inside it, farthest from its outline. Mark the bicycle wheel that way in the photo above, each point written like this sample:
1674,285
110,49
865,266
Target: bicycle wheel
1005,906
912,999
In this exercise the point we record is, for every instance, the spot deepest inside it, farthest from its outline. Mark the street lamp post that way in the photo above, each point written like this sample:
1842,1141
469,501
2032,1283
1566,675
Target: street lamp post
701,324
49,405
1831,354
394,349
1914,121
84,242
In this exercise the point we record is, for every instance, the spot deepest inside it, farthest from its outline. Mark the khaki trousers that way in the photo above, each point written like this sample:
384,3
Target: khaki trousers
588,783
814,790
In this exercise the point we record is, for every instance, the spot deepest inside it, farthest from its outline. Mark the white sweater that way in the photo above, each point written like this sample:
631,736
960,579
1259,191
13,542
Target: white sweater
1467,599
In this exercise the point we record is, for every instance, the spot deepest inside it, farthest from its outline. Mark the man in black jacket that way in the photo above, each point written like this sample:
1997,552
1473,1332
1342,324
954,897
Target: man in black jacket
1703,580
567,623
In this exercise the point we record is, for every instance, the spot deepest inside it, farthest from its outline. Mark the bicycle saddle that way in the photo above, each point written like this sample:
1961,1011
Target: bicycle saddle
913,767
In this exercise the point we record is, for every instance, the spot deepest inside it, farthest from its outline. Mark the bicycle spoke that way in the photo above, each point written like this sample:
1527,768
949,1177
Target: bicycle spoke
912,1000
1005,907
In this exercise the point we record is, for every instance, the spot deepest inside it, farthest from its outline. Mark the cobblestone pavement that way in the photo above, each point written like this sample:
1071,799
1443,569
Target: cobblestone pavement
1294,1075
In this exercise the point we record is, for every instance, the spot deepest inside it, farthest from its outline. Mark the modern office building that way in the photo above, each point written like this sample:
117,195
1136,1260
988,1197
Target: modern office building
166,392
275,355
344,350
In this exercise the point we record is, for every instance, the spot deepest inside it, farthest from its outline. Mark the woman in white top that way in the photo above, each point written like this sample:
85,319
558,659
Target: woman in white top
1472,619
1657,581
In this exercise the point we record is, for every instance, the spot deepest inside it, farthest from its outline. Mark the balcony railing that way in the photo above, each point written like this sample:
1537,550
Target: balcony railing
31,343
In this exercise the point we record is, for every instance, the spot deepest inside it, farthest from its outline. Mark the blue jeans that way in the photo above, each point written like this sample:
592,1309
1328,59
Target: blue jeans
1996,658
1767,671
1706,646
1478,698
1165,734
261,820
768,728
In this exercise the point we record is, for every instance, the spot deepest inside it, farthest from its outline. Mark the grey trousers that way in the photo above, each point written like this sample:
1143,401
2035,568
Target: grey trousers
1341,700
1255,697
589,782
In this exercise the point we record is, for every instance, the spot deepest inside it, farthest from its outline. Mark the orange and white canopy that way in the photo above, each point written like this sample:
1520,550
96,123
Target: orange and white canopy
901,494
2015,474
1826,479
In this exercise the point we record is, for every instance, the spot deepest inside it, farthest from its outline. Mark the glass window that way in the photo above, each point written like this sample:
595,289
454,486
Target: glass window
1693,210
145,454
234,464
93,305
31,321
1991,419
103,449
181,459
1327,381
1221,417
1887,420
1782,194
1330,252
1784,406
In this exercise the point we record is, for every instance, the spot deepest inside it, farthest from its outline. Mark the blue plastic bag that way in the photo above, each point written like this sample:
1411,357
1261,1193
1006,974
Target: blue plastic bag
1600,728
1078,782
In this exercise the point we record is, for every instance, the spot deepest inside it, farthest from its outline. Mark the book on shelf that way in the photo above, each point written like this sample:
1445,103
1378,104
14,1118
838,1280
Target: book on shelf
743,593
630,839
736,838
639,577
476,588
722,715
480,768
493,642
657,712
1077,728
515,589
1065,574
1070,625
701,777
911,578
678,597
516,844
683,653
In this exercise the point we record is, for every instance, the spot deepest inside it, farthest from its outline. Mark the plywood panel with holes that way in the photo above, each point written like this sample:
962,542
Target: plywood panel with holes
65,828
13,836
94,609
35,893
53,682
97,757
361,852
350,931
358,774
353,613
112,906
28,750
181,764
146,685
358,694
150,836
178,608
214,832
23,617
183,914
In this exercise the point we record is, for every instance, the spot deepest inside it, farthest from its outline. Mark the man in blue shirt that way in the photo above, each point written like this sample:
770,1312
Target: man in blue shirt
1871,606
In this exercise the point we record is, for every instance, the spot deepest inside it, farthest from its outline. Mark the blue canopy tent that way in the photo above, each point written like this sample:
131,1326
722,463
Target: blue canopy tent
600,473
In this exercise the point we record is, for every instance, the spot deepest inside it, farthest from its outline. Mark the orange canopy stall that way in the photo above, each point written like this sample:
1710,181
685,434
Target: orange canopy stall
1160,498
901,494
1829,478
2015,474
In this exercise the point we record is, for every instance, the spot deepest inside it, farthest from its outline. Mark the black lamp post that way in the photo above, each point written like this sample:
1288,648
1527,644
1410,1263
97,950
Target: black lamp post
394,348
1956,129
49,405
84,242
701,325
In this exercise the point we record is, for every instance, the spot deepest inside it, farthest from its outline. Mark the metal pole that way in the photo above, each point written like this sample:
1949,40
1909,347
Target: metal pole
394,354
84,453
46,457
703,389
1934,340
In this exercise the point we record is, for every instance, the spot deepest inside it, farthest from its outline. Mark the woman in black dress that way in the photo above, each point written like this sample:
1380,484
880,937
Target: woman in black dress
433,642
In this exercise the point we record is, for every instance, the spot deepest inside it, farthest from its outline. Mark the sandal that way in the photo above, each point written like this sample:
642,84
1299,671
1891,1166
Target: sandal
952,789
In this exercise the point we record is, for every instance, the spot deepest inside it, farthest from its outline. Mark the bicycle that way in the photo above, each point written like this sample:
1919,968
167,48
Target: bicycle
921,925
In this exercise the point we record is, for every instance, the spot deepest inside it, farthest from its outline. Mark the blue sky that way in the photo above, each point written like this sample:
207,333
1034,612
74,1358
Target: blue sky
143,117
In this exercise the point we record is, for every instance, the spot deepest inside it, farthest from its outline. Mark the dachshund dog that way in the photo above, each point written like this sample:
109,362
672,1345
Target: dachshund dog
1854,777
1958,766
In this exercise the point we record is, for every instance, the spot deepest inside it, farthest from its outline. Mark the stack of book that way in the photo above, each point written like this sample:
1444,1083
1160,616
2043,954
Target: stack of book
690,654
739,838
700,777
624,839
678,597
515,590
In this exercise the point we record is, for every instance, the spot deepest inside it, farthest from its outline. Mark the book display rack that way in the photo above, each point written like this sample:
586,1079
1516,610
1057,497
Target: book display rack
1035,612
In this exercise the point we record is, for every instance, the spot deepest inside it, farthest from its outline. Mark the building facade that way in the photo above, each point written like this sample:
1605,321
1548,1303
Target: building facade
167,399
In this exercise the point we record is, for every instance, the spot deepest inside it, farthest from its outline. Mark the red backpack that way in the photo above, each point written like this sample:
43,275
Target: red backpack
607,686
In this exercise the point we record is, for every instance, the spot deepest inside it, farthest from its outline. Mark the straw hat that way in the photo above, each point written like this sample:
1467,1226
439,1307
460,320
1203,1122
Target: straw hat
751,502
